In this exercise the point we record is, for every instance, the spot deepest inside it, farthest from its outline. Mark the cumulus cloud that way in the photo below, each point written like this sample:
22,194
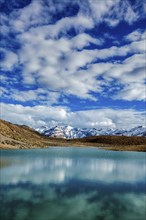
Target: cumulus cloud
29,16
24,15
78,22
44,96
54,63
32,116
39,13
53,50
132,92
136,35
57,64
114,11
130,74
9,59
46,115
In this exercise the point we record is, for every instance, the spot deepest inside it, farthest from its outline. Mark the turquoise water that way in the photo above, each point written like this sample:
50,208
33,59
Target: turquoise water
69,183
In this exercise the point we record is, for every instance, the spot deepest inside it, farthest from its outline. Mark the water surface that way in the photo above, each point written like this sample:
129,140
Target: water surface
71,183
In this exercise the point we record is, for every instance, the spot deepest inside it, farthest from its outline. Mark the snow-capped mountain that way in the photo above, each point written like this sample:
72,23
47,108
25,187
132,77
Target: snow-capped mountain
71,132
137,131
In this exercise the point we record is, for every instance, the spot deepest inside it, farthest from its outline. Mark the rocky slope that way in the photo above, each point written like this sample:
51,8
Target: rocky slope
19,136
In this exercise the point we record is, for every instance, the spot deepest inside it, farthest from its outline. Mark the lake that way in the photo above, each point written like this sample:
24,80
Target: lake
72,183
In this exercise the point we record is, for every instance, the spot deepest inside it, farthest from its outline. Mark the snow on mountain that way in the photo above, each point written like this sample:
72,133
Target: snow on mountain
42,129
57,131
70,132
137,131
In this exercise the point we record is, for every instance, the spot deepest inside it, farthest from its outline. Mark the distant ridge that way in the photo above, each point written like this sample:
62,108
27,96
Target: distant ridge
71,132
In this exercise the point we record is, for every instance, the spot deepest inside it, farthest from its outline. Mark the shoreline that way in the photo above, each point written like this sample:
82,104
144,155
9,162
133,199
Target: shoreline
109,147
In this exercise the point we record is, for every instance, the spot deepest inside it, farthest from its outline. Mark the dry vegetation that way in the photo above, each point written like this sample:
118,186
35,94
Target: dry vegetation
115,142
20,136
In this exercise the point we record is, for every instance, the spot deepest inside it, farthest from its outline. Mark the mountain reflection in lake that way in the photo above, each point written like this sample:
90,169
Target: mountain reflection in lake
73,184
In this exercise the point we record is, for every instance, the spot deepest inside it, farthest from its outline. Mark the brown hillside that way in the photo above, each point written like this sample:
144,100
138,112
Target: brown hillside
19,135
17,131
115,140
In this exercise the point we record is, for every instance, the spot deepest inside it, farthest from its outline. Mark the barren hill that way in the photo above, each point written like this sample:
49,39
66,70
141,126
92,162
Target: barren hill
20,136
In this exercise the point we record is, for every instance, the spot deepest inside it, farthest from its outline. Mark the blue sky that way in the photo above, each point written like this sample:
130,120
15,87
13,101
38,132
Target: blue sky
76,62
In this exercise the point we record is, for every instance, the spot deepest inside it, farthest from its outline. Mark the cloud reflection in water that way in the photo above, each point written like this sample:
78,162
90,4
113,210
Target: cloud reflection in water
59,169
73,183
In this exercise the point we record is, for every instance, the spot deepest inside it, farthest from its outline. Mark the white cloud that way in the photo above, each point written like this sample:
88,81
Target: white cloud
128,74
131,76
136,35
32,116
82,40
24,95
43,115
114,11
56,63
124,71
63,65
33,14
38,14
3,91
79,22
9,61
131,92
40,95
91,12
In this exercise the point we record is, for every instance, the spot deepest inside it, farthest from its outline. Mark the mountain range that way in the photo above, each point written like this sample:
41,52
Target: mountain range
14,136
71,132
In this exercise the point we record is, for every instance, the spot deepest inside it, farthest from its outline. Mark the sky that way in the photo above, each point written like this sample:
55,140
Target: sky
73,62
